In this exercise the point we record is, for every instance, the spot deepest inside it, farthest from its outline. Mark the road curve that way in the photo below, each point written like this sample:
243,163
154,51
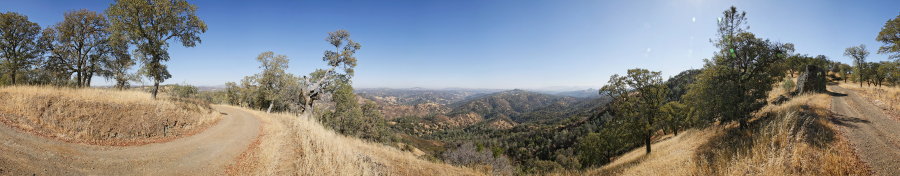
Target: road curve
205,153
874,135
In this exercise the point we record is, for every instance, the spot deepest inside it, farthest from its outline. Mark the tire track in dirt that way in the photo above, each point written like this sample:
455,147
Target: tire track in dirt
875,136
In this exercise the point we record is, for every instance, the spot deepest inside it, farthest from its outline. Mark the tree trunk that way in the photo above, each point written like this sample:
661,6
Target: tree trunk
13,74
743,124
676,131
155,89
87,82
271,103
647,141
78,79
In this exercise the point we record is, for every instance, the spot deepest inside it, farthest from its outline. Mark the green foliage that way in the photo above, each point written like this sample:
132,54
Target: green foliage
886,72
679,84
788,85
859,54
638,97
595,149
273,78
82,42
150,24
890,36
343,55
737,80
796,63
184,91
19,46
678,116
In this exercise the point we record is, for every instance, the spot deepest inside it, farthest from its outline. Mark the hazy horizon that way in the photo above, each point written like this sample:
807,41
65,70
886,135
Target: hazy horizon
492,44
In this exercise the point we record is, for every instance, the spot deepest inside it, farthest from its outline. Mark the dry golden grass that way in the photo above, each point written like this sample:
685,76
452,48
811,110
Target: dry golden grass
101,116
794,138
886,97
672,156
292,145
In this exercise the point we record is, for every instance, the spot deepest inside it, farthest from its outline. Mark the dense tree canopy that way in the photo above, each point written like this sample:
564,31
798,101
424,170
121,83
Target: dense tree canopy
150,25
81,44
890,36
638,97
858,54
736,81
19,45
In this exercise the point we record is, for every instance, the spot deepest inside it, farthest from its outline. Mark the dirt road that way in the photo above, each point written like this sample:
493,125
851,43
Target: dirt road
874,135
206,153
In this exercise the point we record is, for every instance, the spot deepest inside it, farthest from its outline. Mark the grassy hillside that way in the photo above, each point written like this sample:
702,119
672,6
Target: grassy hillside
794,138
293,145
101,116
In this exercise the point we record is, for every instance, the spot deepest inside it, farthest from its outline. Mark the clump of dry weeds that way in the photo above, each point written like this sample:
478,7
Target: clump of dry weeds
292,145
101,116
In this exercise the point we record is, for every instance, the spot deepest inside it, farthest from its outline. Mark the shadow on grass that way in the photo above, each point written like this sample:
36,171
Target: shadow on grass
616,170
772,132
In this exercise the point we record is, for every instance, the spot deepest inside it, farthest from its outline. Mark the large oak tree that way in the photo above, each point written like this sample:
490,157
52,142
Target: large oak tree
19,46
637,98
890,36
150,25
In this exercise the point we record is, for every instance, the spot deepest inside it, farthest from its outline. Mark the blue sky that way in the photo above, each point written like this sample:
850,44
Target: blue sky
493,44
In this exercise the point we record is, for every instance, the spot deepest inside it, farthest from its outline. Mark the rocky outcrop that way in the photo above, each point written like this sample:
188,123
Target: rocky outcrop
811,81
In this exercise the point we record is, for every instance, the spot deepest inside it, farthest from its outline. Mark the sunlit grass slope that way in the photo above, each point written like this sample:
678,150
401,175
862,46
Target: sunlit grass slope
292,145
793,138
101,116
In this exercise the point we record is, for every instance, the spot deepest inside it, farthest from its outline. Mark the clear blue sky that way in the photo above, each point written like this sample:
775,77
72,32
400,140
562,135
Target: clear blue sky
493,44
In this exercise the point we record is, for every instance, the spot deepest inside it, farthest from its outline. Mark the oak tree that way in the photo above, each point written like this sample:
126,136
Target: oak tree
19,46
858,54
638,97
150,25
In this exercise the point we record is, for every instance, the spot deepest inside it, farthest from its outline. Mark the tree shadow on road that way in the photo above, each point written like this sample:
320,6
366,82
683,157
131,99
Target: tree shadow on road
847,121
836,94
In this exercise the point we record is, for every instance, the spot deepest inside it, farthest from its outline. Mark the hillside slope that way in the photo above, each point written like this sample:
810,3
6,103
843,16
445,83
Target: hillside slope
798,137
292,145
243,142
102,116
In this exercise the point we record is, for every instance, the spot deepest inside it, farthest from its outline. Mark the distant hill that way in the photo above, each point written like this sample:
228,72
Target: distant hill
514,104
414,96
587,93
